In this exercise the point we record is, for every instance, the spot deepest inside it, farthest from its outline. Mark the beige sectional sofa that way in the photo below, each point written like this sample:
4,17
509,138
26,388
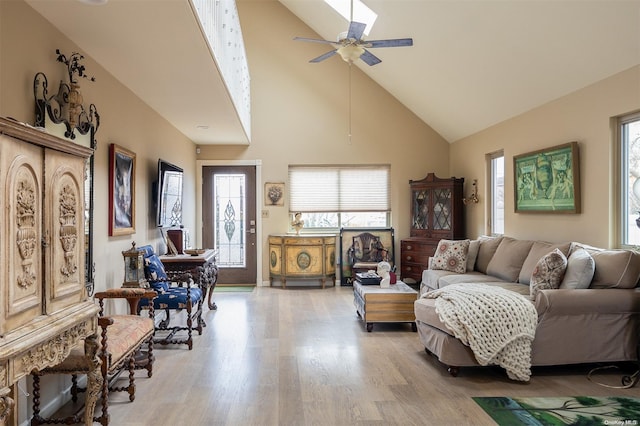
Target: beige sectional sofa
599,323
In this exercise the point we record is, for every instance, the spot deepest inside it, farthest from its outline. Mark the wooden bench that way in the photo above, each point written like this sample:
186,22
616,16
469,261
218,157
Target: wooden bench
122,337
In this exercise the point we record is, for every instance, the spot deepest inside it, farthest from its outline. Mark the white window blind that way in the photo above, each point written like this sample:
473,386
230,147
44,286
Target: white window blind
354,188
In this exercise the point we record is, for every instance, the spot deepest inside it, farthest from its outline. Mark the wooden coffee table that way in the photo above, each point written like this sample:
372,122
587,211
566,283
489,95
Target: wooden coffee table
393,304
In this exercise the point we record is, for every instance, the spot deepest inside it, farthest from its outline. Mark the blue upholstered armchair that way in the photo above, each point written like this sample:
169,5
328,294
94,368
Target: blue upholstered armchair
176,292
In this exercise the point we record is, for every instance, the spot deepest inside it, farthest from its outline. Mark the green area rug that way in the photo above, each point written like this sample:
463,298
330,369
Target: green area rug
232,288
570,410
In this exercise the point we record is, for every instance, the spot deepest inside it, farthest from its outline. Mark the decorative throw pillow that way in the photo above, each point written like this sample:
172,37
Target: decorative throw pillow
486,250
451,256
548,272
472,254
580,270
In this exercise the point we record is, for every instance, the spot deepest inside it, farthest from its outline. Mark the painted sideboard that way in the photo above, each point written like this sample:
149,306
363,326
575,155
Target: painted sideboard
44,308
301,257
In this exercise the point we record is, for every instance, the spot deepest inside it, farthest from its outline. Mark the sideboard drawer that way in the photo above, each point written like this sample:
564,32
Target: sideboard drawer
308,241
415,254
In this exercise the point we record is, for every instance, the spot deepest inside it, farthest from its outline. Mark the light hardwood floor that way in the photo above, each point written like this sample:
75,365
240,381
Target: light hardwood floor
302,357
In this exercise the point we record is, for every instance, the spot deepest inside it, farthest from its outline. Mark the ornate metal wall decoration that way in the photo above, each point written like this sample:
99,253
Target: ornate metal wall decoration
66,105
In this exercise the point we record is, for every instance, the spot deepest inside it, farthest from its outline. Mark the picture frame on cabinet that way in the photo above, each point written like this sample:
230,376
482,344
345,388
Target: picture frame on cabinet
548,180
122,191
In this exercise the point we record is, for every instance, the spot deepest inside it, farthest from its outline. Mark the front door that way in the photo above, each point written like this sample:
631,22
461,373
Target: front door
229,221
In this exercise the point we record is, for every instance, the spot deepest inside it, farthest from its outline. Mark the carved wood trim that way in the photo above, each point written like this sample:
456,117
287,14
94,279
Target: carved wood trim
37,137
54,351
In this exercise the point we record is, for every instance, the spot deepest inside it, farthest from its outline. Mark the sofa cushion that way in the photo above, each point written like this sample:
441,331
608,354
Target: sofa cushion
580,269
508,258
614,268
431,278
469,277
451,256
472,254
548,272
539,249
425,309
486,250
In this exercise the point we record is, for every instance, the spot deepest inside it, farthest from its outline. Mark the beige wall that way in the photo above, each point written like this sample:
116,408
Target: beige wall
27,45
300,115
582,116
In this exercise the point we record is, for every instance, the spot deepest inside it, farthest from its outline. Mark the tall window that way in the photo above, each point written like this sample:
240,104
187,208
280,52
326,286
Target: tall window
331,197
629,139
496,192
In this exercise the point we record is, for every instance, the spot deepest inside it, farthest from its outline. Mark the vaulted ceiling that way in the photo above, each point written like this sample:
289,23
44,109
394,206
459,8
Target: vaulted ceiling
473,63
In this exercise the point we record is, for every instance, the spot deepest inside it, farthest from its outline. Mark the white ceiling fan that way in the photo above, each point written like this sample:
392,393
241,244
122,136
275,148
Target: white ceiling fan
351,46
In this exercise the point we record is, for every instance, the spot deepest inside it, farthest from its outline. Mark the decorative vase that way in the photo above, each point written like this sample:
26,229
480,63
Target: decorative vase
638,221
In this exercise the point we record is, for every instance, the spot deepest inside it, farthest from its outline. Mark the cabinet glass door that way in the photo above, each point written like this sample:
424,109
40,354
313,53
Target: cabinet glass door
442,209
420,209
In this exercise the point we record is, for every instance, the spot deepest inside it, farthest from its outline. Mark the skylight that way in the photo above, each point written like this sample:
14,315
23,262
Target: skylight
361,13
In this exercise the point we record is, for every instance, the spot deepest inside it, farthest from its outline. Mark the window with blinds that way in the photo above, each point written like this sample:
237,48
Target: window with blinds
332,196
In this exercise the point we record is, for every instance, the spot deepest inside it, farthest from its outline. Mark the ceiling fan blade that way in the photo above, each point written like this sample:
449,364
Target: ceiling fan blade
356,29
323,57
314,40
369,58
389,43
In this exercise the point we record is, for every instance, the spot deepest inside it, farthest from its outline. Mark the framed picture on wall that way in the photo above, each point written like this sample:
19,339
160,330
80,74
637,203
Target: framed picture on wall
274,194
548,180
122,191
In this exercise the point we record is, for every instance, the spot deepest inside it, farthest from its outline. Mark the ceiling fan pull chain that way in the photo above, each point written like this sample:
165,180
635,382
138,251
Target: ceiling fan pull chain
350,64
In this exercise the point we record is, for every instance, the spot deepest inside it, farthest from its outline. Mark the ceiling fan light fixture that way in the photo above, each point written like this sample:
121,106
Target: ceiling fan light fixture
350,53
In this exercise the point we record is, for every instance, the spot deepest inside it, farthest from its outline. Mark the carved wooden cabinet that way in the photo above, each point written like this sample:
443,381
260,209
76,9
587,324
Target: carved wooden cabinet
44,310
437,212
302,257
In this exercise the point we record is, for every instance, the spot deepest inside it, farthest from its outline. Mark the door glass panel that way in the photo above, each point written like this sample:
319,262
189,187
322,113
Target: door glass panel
229,220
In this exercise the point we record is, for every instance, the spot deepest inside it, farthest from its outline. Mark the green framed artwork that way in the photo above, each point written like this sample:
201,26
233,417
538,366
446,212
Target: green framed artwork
548,180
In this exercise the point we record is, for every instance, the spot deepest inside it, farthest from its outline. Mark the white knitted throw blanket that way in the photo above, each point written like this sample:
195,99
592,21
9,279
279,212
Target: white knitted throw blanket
497,324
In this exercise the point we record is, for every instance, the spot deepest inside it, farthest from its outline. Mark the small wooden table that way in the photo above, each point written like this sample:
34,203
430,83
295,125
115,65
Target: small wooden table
202,268
377,304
